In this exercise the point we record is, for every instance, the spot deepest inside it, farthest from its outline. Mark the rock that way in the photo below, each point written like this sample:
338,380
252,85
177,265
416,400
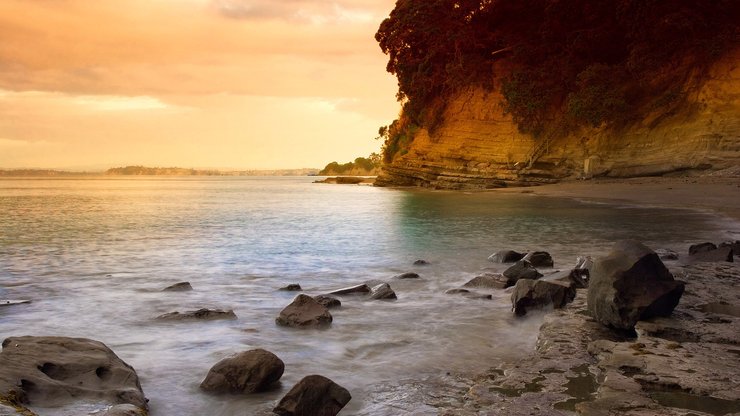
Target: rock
578,278
521,270
505,256
293,287
11,302
304,311
314,395
407,276
665,254
701,247
539,259
529,294
584,263
329,302
178,287
735,246
54,371
382,291
202,314
363,288
456,291
421,262
719,254
125,410
490,281
247,372
631,284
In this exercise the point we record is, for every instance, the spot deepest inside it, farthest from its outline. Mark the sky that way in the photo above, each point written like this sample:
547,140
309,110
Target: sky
233,84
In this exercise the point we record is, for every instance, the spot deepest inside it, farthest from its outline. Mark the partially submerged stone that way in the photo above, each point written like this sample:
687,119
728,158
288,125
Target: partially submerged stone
421,262
718,254
304,311
203,314
383,291
490,281
539,259
666,254
631,284
329,302
505,256
247,372
521,270
293,287
11,302
314,395
124,410
363,288
178,287
408,275
530,294
701,247
54,371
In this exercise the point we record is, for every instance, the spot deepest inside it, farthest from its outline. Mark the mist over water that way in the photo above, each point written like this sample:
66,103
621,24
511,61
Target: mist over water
94,254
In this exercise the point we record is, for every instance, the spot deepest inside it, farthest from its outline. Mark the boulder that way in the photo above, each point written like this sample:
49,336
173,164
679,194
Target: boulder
314,395
529,294
521,270
719,254
584,263
329,302
456,291
539,259
304,311
293,287
505,256
363,288
421,262
406,276
578,278
383,291
631,284
178,287
701,247
734,244
247,372
124,410
202,314
489,281
665,254
54,371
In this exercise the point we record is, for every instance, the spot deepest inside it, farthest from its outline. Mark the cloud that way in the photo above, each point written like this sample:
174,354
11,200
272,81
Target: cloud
301,11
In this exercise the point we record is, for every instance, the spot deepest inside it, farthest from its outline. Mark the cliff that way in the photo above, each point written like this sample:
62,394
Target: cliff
478,146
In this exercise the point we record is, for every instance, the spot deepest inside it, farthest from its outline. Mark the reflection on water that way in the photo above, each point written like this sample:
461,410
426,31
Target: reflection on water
94,254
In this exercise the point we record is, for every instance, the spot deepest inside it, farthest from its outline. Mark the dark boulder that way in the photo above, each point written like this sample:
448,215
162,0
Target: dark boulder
505,256
456,291
178,287
716,255
421,262
54,371
382,291
530,294
578,278
293,287
631,284
247,372
314,395
735,246
202,314
490,281
521,270
701,247
539,259
362,289
665,254
304,311
329,302
408,275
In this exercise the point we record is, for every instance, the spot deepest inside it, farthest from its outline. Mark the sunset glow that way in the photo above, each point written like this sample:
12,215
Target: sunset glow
250,84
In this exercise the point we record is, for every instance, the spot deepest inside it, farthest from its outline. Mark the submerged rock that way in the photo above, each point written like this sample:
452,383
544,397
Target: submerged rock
505,256
665,254
54,371
421,262
578,278
124,410
734,244
718,254
329,302
178,287
529,294
408,275
456,291
304,311
539,259
293,287
11,302
247,372
363,288
701,247
203,314
314,395
631,284
383,291
490,281
521,270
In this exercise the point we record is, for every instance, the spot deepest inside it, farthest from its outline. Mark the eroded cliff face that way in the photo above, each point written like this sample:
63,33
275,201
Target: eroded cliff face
478,146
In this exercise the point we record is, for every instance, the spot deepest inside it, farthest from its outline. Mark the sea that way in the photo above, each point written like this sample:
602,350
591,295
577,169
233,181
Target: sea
93,255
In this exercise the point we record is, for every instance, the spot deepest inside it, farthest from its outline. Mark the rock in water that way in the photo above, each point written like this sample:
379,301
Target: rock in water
408,275
539,259
178,287
293,287
701,247
247,372
421,262
505,256
53,371
490,281
202,314
304,311
123,410
363,288
666,254
631,284
313,396
382,291
716,255
529,294
329,302
521,270
734,244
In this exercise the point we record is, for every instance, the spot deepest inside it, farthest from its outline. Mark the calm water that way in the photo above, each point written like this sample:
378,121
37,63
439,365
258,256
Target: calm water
94,254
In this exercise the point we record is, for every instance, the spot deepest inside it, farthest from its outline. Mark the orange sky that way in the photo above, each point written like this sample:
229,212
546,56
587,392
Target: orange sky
252,84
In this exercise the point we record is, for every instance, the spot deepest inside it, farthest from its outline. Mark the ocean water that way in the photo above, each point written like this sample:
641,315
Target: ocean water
94,254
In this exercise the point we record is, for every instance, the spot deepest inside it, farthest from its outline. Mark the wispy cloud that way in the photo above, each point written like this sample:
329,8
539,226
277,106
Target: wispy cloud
303,11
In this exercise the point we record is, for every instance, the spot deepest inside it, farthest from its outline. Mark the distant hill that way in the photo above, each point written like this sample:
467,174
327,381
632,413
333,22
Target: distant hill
362,166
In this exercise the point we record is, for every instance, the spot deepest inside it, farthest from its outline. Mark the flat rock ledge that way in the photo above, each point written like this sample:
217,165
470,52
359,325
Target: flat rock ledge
684,364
